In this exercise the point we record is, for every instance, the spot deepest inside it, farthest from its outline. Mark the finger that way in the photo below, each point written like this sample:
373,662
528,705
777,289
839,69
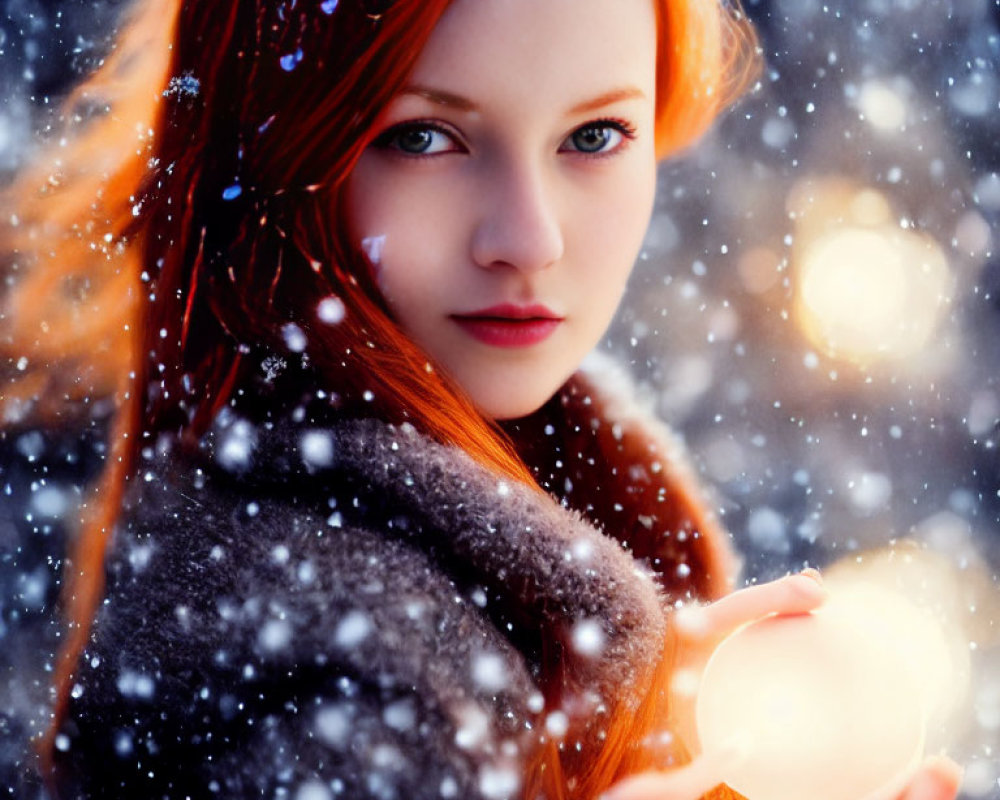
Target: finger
794,594
684,783
938,779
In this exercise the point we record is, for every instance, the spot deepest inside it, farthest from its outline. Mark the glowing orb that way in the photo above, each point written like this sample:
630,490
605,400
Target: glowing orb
816,704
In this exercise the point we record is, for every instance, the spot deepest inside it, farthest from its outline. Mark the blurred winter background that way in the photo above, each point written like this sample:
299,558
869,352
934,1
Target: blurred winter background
817,311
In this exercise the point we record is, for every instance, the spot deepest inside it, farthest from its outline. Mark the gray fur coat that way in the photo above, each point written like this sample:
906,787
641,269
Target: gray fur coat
350,610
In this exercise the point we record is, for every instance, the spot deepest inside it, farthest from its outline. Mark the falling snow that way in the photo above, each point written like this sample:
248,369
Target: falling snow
883,112
353,628
588,637
331,310
489,671
316,448
295,337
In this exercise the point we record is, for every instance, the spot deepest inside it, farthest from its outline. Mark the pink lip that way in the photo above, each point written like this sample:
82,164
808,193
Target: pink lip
509,325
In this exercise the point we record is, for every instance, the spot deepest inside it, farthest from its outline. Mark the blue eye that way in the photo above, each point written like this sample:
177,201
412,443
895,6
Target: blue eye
603,136
417,139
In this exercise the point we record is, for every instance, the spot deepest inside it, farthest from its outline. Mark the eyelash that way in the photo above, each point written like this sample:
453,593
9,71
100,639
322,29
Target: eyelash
625,128
388,138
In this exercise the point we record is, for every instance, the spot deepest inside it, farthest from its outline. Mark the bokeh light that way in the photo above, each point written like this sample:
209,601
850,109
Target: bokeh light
866,288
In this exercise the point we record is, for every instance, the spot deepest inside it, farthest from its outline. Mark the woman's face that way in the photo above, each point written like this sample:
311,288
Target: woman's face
505,196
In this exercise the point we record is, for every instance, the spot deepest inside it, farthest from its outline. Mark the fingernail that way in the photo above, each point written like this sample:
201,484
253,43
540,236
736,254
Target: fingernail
946,769
938,777
813,585
812,572
925,787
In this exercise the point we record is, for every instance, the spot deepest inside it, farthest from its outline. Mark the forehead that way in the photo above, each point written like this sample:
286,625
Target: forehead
540,46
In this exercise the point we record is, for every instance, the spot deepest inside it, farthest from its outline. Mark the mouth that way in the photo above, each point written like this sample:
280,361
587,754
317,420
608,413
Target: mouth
508,325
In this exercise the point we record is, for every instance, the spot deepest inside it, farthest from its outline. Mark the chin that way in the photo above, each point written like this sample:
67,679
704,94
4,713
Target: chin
511,386
507,410
512,401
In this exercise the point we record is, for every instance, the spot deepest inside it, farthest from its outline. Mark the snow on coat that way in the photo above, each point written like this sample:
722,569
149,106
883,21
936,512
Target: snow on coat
349,609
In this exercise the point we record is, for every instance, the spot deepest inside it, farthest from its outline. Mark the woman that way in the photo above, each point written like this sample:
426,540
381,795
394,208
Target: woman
368,516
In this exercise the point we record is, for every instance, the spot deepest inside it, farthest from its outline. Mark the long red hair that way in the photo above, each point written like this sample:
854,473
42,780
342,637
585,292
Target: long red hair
191,221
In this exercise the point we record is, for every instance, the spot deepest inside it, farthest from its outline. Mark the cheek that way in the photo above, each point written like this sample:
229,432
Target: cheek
613,231
402,225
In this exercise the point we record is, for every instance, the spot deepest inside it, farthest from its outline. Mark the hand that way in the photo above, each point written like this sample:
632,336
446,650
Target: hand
937,779
699,629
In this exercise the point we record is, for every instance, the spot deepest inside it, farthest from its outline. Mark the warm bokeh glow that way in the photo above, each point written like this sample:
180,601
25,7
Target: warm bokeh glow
882,106
867,288
924,605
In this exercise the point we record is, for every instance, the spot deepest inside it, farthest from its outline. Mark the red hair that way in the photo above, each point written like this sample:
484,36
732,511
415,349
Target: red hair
171,246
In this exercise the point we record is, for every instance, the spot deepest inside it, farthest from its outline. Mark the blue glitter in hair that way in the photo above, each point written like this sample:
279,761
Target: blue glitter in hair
290,60
232,192
329,6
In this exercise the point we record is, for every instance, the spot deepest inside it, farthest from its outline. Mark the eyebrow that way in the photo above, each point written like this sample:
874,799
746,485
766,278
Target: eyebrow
607,99
443,98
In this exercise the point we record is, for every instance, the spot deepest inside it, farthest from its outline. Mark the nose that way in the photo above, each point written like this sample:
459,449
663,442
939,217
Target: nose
519,225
